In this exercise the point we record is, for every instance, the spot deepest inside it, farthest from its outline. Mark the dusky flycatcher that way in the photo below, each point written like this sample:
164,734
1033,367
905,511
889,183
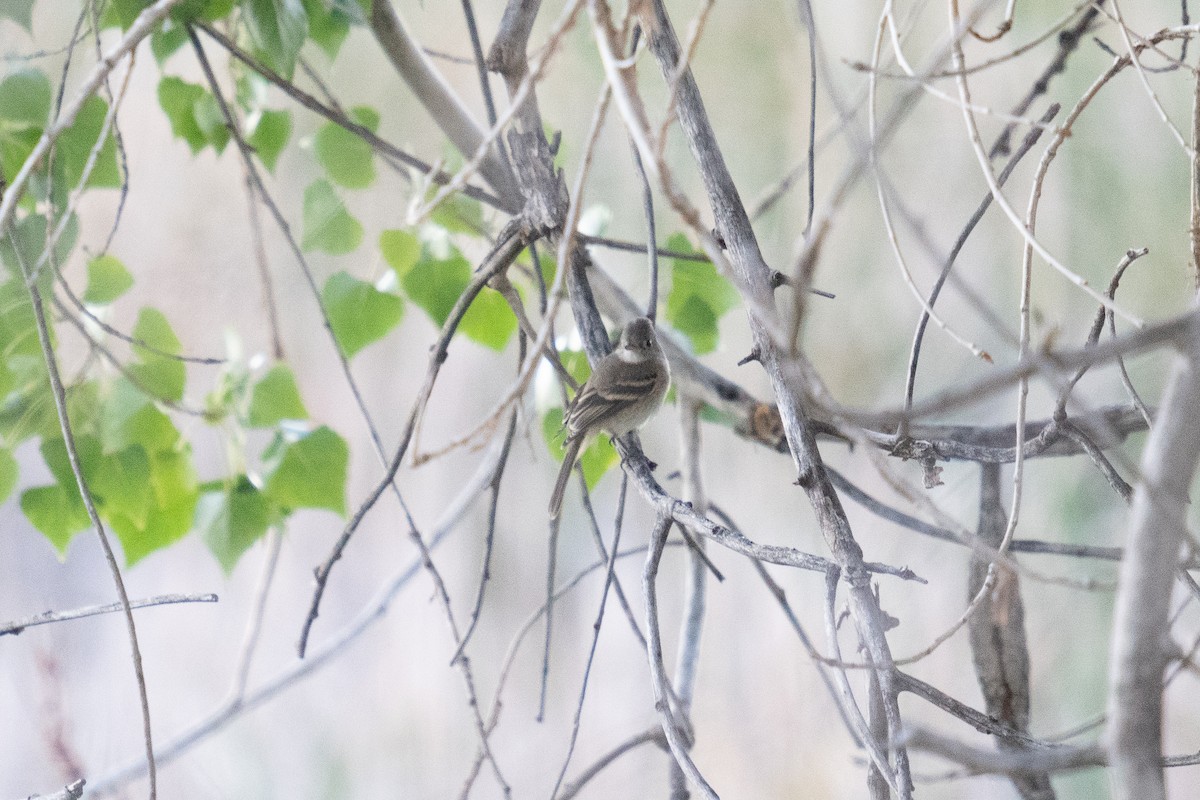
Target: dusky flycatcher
625,389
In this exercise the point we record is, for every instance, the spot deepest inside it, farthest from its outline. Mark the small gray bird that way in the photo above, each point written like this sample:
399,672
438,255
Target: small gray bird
624,390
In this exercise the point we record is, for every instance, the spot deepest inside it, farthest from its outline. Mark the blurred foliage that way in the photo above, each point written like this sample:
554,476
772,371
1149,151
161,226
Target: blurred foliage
699,297
347,159
358,312
135,459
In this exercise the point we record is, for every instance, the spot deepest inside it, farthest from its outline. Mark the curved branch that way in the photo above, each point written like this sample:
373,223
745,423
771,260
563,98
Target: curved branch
435,94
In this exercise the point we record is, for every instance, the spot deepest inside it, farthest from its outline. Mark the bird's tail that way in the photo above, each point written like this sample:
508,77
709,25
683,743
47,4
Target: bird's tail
564,472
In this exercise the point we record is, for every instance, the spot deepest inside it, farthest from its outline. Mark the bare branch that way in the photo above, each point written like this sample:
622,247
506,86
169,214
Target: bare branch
48,617
1157,522
435,94
997,633
673,726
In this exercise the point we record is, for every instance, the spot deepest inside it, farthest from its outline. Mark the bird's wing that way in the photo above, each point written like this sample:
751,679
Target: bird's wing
623,385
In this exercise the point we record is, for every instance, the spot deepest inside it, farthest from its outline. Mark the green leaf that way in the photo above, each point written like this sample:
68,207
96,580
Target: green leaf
553,431
695,318
207,10
358,312
56,514
327,224
25,100
268,134
576,364
699,297
18,328
489,321
157,374
435,284
27,242
160,377
9,472
276,398
250,90
121,484
231,521
327,26
19,11
165,41
178,99
460,214
58,511
597,458
16,145
278,28
107,280
194,114
173,479
8,380
153,329
346,157
28,410
171,509
130,418
83,408
211,121
54,452
74,148
311,472
122,13
401,250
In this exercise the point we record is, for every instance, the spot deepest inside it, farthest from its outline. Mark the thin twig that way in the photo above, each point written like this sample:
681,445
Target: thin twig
462,662
898,517
695,594
551,570
258,610
1030,140
849,705
496,262
145,23
651,235
637,247
810,28
587,670
1021,226
82,308
142,27
515,646
652,736
264,270
489,538
60,405
393,155
48,617
1093,336
671,725
337,645
252,173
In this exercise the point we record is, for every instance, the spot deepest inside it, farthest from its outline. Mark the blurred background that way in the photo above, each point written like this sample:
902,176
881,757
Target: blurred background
387,717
